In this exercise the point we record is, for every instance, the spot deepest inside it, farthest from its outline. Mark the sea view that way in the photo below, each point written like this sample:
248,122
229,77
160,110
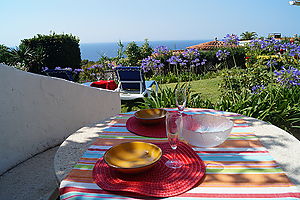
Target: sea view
94,51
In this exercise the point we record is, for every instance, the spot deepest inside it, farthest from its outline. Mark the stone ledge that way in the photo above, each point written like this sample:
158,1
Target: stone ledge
32,179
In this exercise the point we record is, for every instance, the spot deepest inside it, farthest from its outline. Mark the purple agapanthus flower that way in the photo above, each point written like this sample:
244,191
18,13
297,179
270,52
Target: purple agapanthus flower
271,63
274,46
151,63
190,53
231,39
288,77
222,54
161,50
257,89
174,60
78,70
110,66
44,69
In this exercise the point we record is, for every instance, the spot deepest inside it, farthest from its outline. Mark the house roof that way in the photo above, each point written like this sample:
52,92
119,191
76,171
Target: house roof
210,45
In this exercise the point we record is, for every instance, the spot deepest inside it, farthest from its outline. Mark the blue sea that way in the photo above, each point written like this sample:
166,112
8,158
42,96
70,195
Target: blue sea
94,51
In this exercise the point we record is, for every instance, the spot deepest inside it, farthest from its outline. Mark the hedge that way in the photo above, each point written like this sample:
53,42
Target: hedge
61,50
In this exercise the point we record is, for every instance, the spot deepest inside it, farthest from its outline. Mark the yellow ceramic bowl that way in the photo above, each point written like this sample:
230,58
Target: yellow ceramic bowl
133,157
151,116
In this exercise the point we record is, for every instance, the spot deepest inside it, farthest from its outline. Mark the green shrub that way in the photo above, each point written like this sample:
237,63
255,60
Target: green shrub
236,58
60,50
236,79
275,104
134,53
166,99
5,55
27,59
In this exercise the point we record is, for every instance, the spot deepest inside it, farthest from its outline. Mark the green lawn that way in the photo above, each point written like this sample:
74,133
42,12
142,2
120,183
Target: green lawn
209,88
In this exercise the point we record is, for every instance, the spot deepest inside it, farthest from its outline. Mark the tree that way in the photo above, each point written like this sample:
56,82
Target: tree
133,54
120,50
5,55
248,35
145,49
61,50
27,59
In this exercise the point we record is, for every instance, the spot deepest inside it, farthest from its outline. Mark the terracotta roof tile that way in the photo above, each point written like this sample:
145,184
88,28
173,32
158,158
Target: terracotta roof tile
209,45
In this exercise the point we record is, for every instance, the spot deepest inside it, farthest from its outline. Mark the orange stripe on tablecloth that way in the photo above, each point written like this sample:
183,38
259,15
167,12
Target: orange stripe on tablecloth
244,167
246,179
82,176
240,144
241,162
77,173
222,185
239,121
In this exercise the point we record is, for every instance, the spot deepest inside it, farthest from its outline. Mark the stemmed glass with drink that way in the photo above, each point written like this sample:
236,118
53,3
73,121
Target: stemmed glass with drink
180,97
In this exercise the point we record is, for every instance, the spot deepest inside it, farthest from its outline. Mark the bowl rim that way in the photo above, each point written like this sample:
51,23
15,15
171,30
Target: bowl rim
117,167
219,116
164,115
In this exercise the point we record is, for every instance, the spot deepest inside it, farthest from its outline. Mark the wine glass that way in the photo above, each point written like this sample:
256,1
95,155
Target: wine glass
180,96
173,128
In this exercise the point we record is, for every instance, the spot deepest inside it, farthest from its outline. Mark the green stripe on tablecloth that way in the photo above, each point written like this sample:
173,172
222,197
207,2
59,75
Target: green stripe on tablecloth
84,166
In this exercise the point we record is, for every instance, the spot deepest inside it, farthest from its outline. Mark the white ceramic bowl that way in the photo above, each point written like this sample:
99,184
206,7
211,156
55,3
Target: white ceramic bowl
206,130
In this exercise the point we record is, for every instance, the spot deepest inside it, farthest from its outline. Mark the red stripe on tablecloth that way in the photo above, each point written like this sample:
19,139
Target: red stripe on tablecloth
207,195
97,149
216,152
95,191
224,195
98,197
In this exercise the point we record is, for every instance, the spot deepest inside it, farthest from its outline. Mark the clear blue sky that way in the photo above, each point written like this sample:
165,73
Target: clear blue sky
135,20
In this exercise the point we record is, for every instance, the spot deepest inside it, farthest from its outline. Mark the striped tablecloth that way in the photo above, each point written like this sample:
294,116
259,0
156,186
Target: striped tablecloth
240,168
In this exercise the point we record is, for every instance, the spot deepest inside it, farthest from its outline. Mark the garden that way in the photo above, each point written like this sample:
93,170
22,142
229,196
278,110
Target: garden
260,79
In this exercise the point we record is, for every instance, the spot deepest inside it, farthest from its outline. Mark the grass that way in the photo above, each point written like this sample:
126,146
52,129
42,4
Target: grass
207,87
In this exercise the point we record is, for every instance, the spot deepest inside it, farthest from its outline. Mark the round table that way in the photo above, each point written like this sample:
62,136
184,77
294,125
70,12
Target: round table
283,147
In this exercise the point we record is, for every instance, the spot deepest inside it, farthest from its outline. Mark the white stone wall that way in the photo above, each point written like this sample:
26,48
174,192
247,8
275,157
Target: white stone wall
38,112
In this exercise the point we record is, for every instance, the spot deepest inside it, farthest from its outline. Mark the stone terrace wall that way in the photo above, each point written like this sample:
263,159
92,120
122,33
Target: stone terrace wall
38,112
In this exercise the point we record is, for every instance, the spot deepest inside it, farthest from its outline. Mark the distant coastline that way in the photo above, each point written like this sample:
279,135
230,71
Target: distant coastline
94,51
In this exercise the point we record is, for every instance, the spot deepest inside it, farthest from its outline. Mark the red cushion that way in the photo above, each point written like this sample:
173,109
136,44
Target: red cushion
110,85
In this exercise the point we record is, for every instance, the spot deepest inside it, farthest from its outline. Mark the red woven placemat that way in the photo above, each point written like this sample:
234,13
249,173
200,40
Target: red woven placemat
159,181
154,130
